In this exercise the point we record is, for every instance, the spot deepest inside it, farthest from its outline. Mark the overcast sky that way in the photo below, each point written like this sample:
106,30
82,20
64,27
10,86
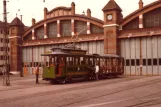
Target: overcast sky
34,8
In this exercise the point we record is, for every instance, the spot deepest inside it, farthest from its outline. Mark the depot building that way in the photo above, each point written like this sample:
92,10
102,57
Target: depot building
136,37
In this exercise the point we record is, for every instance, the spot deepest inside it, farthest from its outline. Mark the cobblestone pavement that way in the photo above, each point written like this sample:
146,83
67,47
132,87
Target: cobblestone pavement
118,92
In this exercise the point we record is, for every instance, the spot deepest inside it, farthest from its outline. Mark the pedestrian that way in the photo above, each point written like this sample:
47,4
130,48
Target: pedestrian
37,74
96,71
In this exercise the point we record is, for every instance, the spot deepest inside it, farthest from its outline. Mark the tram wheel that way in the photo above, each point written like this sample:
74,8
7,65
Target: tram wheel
63,81
53,82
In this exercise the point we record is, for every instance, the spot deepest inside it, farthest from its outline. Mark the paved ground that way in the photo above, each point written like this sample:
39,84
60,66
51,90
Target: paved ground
119,92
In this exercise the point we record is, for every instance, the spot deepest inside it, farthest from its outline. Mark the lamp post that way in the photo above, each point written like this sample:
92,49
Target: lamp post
141,58
5,45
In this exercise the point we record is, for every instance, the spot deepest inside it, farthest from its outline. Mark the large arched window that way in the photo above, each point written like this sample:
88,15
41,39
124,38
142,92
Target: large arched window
81,27
152,18
52,30
65,27
40,33
28,37
96,29
134,24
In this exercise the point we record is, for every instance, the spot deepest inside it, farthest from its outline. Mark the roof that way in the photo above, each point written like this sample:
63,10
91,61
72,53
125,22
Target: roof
145,9
60,8
111,5
16,22
2,24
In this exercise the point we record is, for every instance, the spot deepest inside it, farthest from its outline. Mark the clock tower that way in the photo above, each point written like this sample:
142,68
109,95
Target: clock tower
112,19
16,30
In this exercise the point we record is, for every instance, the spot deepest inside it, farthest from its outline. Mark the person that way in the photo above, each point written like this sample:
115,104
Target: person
96,71
37,74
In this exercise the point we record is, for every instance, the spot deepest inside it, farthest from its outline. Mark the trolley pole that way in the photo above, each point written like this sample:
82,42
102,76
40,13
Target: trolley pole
6,69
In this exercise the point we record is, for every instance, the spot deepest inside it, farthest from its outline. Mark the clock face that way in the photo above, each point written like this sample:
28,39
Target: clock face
109,17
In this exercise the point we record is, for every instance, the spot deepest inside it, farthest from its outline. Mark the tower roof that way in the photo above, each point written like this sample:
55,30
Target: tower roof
140,2
111,5
16,22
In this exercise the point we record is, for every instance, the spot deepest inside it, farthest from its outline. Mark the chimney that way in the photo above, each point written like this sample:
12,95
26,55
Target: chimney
141,4
21,17
33,21
45,13
73,8
89,13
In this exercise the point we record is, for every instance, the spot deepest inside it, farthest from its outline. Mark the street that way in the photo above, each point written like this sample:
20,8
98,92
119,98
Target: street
128,91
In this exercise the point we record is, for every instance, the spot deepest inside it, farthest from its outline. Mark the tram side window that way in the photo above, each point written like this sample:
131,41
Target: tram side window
62,60
101,62
107,63
69,61
47,63
91,61
98,61
113,62
76,60
81,61
51,61
117,62
110,63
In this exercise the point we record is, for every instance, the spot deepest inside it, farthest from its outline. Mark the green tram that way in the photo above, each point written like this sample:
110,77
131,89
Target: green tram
71,63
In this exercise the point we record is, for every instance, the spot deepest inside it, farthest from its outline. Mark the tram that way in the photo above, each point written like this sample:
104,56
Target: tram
71,63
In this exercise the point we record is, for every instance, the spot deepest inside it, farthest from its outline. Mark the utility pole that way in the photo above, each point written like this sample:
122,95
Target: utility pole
6,79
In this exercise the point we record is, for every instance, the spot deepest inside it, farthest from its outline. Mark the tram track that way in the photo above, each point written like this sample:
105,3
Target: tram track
154,101
129,88
48,84
121,89
87,85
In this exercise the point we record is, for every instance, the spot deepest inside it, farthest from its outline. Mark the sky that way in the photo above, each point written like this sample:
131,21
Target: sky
34,8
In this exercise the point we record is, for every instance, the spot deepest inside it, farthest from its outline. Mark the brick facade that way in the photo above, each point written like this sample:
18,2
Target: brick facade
114,26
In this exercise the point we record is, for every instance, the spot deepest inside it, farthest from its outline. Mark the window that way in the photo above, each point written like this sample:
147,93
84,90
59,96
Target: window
159,61
149,61
134,24
81,27
127,62
66,28
152,18
52,30
132,62
138,62
30,64
96,29
40,33
155,62
144,61
28,37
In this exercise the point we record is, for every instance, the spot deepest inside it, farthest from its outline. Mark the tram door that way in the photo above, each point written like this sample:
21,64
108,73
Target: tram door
59,65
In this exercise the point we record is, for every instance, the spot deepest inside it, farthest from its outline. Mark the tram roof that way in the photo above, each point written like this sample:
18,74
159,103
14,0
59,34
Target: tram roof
109,55
78,54
62,54
106,55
